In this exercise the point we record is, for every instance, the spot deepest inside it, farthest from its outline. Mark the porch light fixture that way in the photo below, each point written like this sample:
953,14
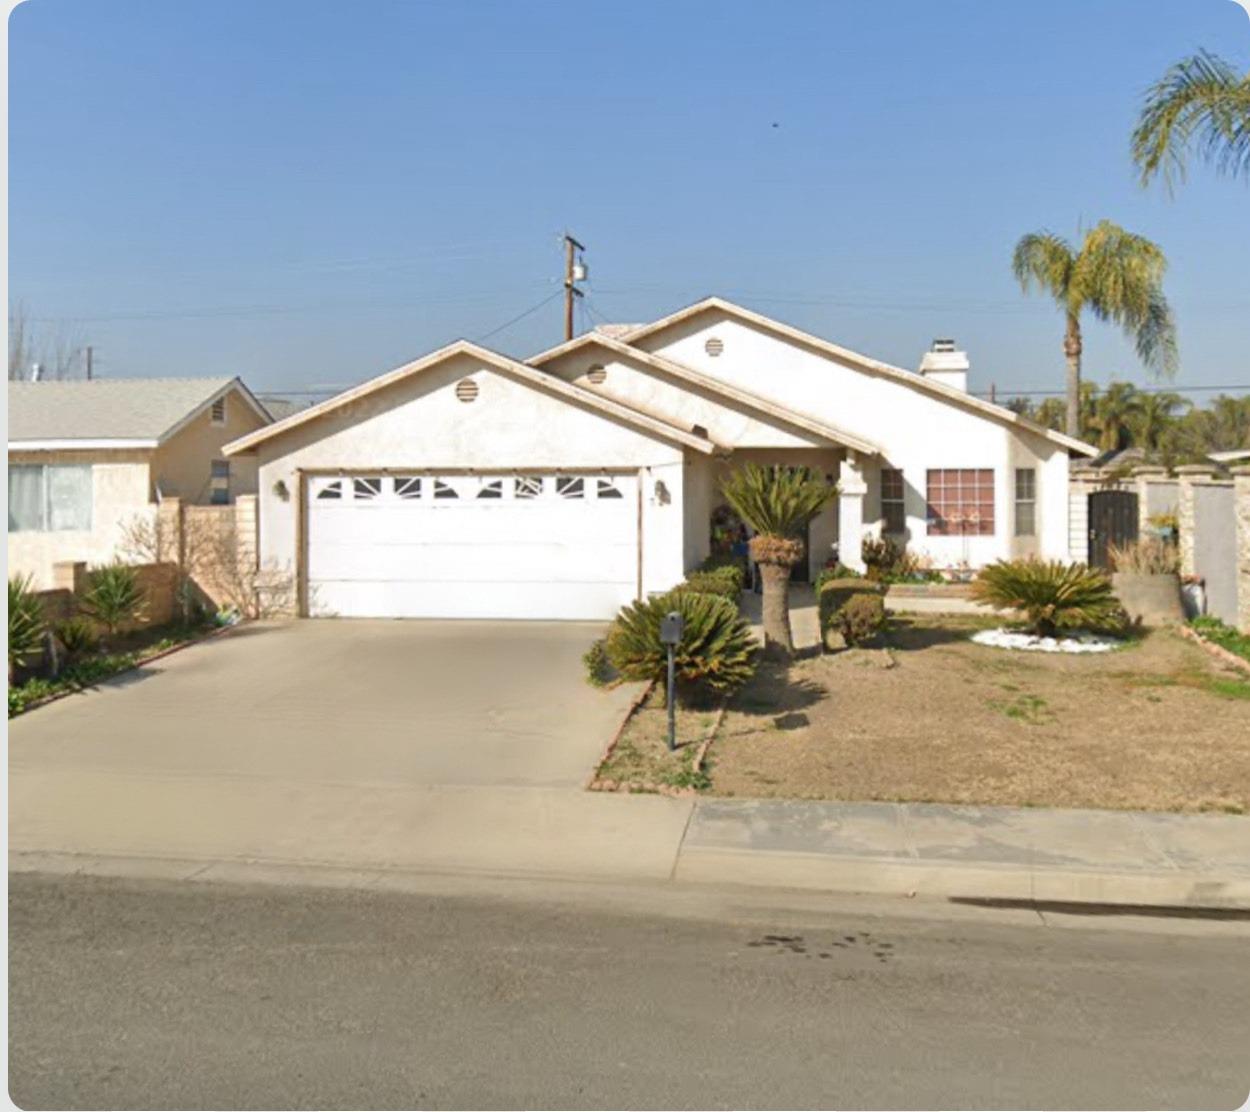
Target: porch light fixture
280,491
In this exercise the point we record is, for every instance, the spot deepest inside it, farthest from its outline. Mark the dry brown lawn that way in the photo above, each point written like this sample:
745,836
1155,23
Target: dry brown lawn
1157,725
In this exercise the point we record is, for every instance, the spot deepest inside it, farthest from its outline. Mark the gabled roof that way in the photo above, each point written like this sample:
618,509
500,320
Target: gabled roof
548,383
873,366
111,412
712,385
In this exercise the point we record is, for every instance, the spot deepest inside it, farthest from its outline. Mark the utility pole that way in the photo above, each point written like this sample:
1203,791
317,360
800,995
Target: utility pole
90,352
573,273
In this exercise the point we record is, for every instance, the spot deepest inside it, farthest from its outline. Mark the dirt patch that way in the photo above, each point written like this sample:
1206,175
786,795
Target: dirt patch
1158,725
641,761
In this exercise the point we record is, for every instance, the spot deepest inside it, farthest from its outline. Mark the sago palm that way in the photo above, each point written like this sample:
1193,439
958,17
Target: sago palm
1115,275
1200,106
1051,595
776,503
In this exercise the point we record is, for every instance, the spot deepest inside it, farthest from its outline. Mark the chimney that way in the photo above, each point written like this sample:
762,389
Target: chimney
942,363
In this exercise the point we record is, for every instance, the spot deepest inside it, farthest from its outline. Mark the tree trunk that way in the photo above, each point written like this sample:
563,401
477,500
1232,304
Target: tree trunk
778,641
1072,352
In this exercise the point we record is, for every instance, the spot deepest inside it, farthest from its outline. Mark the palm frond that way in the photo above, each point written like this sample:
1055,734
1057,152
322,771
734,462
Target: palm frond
1201,105
776,501
1044,260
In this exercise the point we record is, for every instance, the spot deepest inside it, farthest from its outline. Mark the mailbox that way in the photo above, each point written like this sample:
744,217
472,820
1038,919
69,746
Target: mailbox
671,627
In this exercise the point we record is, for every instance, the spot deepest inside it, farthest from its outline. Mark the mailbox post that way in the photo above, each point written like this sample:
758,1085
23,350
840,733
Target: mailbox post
671,628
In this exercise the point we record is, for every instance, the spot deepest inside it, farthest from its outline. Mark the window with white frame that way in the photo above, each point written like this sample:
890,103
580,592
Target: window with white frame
46,498
219,484
1026,502
893,515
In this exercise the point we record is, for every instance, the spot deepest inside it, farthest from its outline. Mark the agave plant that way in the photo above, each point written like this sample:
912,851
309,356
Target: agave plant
776,503
1050,594
716,650
26,623
113,596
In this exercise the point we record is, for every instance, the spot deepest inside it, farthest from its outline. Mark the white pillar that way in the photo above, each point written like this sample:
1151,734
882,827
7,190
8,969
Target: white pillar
851,491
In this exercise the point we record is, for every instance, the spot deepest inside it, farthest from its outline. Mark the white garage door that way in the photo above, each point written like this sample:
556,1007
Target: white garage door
456,546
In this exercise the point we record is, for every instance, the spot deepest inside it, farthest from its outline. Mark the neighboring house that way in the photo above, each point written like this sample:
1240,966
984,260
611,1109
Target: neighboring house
1231,459
470,485
87,458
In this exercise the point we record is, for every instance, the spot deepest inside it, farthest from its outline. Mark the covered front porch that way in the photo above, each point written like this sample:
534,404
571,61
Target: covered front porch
835,534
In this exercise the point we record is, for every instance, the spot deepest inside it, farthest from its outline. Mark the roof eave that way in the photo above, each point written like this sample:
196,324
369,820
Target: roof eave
82,444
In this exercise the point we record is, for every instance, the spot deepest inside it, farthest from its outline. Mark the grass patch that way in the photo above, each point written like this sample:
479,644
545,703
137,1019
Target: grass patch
1215,631
1030,709
641,758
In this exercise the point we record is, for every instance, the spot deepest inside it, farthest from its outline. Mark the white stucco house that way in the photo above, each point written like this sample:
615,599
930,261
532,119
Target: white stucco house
468,484
90,458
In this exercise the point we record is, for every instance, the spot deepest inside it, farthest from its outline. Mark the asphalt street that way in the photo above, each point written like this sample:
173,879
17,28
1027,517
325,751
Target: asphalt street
143,994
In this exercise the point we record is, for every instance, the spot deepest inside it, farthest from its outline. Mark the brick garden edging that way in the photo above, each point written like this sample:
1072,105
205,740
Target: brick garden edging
1218,651
598,784
140,663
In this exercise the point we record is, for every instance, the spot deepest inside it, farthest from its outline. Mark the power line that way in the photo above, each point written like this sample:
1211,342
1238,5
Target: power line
1140,389
520,316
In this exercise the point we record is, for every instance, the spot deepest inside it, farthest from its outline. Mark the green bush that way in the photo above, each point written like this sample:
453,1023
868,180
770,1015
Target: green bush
1215,631
26,624
113,596
78,637
861,617
716,651
724,583
1051,595
87,673
734,567
599,671
837,571
835,594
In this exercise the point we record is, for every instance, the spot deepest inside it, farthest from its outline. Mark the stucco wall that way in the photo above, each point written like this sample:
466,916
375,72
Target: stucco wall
119,496
182,466
916,430
1215,547
419,424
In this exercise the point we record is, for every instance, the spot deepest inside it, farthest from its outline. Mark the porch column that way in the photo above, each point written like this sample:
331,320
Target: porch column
851,491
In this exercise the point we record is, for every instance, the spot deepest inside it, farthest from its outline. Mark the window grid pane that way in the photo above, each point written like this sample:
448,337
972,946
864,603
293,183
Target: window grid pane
895,518
961,502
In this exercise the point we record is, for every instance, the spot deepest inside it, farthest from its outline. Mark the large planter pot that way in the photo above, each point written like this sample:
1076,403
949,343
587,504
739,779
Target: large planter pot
1149,599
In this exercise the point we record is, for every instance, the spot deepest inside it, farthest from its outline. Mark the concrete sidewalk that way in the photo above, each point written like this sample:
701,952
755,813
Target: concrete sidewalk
97,821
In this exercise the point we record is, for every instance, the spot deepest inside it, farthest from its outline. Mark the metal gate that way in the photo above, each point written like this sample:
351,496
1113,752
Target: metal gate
1112,520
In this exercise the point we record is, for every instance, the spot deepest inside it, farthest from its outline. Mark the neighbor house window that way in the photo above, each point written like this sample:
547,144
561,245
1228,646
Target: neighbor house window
961,502
47,498
219,411
1026,502
219,492
895,519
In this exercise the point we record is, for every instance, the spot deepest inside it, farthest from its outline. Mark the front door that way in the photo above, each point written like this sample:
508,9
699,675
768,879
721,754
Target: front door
1112,521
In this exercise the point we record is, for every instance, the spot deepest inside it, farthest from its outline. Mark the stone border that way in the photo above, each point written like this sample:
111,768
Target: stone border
1218,651
596,783
140,663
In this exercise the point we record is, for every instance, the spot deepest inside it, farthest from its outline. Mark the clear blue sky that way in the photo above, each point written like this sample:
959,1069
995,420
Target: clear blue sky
310,193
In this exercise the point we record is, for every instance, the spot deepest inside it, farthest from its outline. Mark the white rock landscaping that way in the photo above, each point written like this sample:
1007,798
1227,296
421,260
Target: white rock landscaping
1028,642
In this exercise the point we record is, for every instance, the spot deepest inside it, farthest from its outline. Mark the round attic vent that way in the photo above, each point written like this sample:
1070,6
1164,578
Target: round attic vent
596,374
714,346
466,390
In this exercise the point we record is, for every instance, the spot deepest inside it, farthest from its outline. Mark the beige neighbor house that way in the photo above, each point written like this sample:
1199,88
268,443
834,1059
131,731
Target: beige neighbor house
88,459
470,485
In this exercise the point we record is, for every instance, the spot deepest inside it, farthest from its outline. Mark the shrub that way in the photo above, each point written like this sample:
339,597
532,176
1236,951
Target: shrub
599,671
832,572
724,583
834,596
1051,595
726,564
889,561
26,624
716,651
78,637
113,596
1145,556
861,617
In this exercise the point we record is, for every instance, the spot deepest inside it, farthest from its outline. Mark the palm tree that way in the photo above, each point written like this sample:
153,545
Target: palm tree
1114,413
1201,105
776,503
1156,413
1117,276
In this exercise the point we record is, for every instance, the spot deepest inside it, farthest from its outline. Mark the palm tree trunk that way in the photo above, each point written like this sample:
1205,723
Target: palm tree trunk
1072,353
778,641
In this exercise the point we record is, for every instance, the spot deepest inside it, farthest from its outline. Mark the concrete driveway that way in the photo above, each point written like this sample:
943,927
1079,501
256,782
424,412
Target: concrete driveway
362,702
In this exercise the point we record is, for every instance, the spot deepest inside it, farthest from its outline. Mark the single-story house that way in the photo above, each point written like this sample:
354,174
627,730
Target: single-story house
467,484
89,457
